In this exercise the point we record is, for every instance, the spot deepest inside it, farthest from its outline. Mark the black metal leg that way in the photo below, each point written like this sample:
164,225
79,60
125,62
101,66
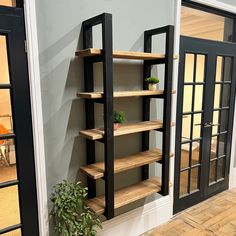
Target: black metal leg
167,109
108,118
106,21
168,61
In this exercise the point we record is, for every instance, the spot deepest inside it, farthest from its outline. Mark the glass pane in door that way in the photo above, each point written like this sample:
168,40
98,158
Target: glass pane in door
6,125
13,233
8,3
9,205
7,161
191,123
9,199
4,70
223,80
201,24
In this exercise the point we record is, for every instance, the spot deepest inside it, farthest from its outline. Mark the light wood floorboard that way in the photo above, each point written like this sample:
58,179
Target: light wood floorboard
216,217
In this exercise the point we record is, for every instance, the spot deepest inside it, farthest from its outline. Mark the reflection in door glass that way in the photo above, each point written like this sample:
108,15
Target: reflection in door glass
189,68
186,123
185,150
212,173
4,70
214,147
6,126
8,3
197,121
228,66
188,94
200,24
220,168
226,95
217,95
194,179
222,143
184,182
200,69
7,161
215,122
198,97
13,233
9,205
219,67
195,153
224,118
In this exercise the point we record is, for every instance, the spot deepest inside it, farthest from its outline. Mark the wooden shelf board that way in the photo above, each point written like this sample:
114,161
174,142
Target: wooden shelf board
127,195
139,93
96,171
90,52
124,129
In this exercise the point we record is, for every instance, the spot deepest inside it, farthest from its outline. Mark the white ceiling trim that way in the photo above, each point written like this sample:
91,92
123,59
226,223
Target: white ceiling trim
217,4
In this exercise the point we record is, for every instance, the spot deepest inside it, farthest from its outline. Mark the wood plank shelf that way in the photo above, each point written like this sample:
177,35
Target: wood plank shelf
90,52
130,128
121,94
96,170
127,195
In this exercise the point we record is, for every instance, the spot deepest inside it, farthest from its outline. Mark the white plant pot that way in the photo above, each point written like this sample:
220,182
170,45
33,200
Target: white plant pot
152,87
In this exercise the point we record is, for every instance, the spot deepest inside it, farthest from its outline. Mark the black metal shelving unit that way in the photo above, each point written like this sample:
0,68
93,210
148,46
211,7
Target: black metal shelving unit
106,57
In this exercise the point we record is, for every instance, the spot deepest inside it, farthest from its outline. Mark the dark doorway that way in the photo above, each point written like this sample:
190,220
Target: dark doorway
18,197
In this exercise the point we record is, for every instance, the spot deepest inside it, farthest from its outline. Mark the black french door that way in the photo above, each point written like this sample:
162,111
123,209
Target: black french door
18,197
206,94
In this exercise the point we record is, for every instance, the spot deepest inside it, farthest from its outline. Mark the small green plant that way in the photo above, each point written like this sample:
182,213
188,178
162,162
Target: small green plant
152,80
70,215
119,117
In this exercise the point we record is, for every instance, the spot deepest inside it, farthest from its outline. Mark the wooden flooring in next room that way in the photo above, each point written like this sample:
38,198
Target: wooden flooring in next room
214,217
9,203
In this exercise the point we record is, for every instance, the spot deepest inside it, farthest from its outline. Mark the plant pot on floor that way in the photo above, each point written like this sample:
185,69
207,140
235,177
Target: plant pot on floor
152,87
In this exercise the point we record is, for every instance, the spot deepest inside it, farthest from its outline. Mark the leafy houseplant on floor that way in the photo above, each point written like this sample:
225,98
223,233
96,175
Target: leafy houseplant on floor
119,118
70,215
152,83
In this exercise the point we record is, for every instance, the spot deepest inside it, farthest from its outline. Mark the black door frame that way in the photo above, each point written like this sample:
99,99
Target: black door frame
207,48
196,198
12,25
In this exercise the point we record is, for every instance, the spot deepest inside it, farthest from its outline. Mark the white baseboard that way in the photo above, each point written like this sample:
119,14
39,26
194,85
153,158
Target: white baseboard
140,220
234,179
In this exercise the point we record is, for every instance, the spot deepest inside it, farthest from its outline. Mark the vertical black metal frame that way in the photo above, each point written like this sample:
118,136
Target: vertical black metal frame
105,20
168,62
12,26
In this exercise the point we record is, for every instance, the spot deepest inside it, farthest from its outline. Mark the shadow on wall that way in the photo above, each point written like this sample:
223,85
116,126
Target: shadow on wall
64,113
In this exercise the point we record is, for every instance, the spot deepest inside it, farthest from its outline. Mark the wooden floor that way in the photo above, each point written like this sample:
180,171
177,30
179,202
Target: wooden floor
9,203
216,216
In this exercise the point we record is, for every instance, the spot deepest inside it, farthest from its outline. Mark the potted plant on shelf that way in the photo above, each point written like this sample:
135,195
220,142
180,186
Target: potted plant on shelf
152,83
70,215
119,118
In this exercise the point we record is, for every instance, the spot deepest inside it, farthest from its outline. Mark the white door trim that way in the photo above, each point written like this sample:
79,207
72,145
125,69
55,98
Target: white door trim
37,118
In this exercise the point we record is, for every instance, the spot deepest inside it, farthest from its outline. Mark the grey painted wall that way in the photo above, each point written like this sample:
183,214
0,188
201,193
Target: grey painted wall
232,2
59,31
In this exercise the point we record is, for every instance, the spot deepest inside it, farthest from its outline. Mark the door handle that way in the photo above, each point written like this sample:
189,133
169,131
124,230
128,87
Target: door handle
207,125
